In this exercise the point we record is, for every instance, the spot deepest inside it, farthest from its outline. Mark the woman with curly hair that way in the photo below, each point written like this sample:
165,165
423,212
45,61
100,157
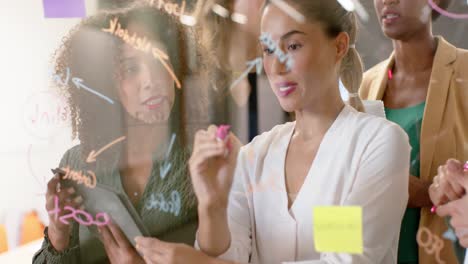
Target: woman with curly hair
141,59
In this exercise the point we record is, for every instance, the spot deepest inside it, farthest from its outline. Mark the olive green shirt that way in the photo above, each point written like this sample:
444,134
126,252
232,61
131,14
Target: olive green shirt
164,224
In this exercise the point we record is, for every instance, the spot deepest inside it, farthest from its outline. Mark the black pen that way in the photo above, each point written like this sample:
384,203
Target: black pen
59,171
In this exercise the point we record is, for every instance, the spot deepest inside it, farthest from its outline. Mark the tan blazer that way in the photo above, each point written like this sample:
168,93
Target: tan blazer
444,132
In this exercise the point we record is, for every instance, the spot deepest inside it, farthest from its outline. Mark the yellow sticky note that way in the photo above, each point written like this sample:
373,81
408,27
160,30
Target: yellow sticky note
338,229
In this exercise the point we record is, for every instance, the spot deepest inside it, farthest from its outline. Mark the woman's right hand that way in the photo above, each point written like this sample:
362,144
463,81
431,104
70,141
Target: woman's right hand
211,171
446,186
57,198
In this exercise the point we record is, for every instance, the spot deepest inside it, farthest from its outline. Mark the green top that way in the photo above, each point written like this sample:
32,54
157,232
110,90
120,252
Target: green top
159,220
410,119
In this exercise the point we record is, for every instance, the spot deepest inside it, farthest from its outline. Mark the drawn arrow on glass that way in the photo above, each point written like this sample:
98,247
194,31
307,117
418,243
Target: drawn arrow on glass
166,166
258,62
79,84
93,155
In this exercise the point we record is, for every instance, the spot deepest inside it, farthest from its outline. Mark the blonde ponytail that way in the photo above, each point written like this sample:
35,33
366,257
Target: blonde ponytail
351,76
352,68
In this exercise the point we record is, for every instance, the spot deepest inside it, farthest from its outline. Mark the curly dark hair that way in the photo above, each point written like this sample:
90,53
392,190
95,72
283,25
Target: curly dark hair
93,56
444,4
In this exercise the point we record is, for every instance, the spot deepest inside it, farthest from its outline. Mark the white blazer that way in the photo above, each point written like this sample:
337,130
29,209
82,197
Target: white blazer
363,160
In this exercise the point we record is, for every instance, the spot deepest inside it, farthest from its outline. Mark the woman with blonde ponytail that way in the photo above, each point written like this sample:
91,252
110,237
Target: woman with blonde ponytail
332,155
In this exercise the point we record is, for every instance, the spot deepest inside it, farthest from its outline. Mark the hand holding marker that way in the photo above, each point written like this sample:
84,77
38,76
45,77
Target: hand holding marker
74,213
465,169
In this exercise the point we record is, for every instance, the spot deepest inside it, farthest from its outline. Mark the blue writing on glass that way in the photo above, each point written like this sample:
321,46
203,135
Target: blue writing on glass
266,39
251,64
159,202
79,84
166,166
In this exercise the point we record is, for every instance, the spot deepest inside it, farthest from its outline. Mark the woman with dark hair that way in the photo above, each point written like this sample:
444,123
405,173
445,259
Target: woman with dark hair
422,88
332,155
141,59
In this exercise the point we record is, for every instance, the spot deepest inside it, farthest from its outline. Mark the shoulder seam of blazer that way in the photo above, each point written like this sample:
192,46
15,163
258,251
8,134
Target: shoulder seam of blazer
446,53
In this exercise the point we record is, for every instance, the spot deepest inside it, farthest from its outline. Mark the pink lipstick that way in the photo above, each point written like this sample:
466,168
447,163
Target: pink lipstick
286,88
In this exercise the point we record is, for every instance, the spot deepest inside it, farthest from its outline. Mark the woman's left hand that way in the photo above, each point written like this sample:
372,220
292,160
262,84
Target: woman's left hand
458,210
446,186
118,248
159,252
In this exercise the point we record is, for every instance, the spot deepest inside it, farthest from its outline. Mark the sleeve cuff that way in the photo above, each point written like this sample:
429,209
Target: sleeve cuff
69,255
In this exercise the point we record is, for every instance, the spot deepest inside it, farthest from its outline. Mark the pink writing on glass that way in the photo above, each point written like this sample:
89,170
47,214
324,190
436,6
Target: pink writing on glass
45,114
75,213
446,13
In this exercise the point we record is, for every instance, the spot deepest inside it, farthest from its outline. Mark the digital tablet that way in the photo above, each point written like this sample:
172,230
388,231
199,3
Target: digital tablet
104,199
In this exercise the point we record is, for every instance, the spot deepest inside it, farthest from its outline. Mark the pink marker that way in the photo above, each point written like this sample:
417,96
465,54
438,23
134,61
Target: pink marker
221,134
390,74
